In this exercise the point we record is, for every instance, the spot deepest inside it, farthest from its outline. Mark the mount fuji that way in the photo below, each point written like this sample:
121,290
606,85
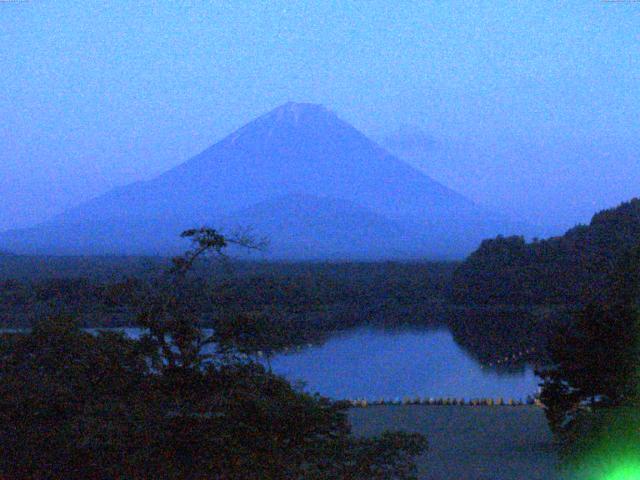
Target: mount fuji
312,184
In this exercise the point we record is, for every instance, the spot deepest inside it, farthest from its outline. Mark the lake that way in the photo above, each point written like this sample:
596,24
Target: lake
373,363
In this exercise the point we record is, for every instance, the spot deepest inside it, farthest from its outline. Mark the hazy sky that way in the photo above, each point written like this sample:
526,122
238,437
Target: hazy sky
528,107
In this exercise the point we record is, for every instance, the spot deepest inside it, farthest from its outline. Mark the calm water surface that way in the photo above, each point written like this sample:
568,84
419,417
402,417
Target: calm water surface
373,364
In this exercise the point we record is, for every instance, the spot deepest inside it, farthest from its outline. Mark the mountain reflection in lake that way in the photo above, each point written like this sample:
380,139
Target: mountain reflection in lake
374,363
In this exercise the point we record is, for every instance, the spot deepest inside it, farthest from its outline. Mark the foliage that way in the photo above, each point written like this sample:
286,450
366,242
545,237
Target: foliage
207,240
309,300
56,385
170,405
604,443
505,337
387,457
254,334
573,269
595,374
595,363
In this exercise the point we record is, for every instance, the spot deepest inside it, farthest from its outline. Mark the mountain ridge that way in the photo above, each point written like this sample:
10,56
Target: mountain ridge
295,149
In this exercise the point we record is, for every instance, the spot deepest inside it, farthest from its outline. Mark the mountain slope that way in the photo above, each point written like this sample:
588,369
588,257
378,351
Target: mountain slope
315,228
297,149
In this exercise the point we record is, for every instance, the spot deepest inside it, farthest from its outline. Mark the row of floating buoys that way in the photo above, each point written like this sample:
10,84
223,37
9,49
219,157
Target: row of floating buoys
446,401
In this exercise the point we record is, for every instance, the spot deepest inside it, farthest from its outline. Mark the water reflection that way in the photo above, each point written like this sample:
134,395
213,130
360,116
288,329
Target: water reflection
375,363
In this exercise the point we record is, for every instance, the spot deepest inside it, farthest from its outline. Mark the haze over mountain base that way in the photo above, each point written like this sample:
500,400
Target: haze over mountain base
312,184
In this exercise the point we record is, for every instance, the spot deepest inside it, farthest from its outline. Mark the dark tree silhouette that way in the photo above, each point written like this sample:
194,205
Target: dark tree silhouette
77,405
593,388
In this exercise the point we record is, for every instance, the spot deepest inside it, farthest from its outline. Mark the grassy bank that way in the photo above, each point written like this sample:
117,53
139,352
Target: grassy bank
470,443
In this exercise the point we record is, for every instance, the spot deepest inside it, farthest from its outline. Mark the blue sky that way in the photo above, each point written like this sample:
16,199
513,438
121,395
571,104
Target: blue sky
533,107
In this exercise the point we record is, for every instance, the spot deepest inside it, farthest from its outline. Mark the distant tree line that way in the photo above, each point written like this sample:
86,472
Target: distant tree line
308,301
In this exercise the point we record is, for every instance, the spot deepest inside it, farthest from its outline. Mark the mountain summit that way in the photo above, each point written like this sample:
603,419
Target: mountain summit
312,183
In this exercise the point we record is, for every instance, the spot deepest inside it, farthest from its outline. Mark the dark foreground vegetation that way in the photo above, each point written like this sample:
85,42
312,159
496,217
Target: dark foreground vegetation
589,283
591,390
75,405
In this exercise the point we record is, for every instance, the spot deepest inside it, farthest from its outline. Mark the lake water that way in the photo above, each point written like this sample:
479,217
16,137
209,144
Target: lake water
374,363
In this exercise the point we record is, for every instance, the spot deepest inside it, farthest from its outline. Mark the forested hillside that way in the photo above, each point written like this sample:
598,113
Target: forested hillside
567,270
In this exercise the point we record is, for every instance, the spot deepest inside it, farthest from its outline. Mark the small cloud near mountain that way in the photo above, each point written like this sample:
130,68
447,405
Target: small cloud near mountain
409,140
